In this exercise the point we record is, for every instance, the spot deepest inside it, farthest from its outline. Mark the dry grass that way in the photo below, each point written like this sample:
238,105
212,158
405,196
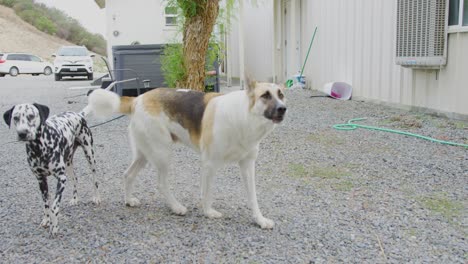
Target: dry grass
326,138
439,203
403,121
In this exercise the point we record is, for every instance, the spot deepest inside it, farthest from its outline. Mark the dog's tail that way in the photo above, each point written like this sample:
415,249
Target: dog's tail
104,103
88,109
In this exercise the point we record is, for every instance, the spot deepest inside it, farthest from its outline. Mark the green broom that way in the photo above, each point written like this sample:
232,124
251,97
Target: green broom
290,82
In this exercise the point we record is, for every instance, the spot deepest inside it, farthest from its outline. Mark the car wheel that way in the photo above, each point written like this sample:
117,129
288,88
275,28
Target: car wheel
14,71
47,71
90,76
58,77
2,75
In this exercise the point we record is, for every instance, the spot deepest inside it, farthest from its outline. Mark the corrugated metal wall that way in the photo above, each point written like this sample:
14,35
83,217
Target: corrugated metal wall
356,43
258,27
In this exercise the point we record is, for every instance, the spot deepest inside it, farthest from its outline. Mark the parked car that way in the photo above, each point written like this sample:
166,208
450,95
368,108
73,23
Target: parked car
23,63
73,61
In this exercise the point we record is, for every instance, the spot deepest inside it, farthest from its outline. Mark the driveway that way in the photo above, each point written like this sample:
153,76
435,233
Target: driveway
336,196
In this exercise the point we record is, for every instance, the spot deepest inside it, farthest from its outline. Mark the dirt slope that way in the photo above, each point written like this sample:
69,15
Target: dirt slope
19,36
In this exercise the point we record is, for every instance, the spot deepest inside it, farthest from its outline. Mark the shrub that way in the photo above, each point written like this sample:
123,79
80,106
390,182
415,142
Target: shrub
44,24
172,64
8,3
28,16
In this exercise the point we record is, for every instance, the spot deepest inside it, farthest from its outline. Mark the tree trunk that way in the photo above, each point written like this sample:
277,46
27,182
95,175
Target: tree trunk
197,33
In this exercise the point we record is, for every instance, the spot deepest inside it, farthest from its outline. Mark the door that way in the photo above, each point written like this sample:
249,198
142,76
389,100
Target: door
36,64
286,37
16,60
24,64
291,37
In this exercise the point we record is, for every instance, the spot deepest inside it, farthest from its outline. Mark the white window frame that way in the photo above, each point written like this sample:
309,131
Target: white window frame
459,27
166,15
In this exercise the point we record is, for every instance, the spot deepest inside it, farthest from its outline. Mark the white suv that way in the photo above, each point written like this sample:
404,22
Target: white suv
22,63
73,61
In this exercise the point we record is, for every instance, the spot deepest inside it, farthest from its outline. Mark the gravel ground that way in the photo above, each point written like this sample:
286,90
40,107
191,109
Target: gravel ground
336,196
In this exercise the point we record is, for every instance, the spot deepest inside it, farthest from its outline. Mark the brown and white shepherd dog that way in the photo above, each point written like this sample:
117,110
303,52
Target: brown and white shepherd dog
223,128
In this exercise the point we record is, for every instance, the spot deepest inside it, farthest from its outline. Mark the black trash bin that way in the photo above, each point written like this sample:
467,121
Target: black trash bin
144,63
137,61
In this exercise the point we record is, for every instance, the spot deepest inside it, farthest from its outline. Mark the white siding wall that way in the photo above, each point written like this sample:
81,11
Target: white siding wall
355,43
233,50
137,20
258,40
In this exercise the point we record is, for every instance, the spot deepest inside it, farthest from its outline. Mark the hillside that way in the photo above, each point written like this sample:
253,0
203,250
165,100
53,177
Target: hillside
19,36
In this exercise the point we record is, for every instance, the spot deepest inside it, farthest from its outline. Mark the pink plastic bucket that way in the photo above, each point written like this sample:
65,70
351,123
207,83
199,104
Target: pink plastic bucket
338,90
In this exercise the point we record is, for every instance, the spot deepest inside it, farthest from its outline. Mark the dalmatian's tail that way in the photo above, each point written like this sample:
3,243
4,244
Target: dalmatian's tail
104,103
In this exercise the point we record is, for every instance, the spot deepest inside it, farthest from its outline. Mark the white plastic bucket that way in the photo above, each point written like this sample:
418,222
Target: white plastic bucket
299,81
338,90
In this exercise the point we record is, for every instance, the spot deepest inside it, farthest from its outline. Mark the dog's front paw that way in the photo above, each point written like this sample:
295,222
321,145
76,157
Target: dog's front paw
73,202
265,223
212,213
97,200
45,223
179,209
132,202
53,231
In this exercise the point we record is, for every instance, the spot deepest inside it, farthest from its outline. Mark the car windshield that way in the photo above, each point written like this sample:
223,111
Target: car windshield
73,51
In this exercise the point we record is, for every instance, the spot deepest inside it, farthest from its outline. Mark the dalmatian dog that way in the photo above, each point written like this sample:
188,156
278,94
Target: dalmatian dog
50,146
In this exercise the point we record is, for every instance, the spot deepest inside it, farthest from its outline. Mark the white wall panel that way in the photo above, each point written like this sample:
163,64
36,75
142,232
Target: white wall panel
258,26
356,43
258,36
138,20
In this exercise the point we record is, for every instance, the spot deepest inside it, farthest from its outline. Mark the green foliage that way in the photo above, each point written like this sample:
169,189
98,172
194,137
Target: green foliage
28,16
189,8
22,5
44,24
172,60
56,22
297,170
439,203
343,186
8,3
172,64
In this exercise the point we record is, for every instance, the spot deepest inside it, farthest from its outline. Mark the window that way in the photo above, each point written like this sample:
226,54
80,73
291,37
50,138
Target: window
458,15
73,51
170,15
18,57
13,57
34,58
24,57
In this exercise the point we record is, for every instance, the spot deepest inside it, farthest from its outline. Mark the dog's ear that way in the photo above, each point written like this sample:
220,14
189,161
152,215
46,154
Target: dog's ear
43,112
7,116
250,84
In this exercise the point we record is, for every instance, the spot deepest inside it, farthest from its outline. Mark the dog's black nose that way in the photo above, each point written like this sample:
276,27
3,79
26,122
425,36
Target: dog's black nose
281,110
22,135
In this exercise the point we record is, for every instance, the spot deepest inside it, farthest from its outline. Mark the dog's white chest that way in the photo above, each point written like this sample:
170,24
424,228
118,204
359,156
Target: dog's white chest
235,144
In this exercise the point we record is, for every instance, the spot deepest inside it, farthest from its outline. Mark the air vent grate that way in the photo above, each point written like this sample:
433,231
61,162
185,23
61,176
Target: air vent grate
421,33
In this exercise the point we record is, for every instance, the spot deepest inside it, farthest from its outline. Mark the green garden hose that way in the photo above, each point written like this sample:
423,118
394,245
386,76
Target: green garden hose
351,126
